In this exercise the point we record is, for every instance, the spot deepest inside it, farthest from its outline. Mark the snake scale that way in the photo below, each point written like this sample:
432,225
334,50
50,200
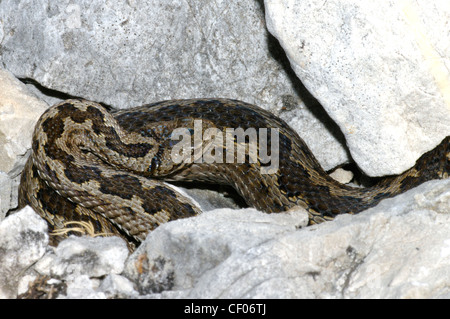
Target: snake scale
110,168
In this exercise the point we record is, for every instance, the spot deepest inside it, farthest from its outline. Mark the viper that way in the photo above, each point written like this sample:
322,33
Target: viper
110,169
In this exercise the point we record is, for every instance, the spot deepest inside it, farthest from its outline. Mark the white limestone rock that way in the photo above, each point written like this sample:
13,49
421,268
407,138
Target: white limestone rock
129,53
399,249
80,263
90,256
8,193
132,53
379,68
23,241
19,111
117,286
82,287
176,255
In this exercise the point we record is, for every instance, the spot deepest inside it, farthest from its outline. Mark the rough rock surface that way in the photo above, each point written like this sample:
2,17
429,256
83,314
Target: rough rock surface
23,241
380,69
94,257
204,252
129,53
19,111
398,249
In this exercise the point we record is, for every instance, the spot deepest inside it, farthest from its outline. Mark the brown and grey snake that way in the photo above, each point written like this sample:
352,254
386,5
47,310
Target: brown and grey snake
109,169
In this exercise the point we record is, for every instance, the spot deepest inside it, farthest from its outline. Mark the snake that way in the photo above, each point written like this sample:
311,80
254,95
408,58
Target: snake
113,169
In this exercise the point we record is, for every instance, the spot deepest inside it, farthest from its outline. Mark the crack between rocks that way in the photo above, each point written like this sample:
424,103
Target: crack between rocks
48,91
55,93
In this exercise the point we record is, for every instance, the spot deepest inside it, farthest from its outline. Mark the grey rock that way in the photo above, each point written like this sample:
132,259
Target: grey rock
19,111
177,254
398,249
80,263
117,286
77,256
132,53
23,241
8,193
82,287
379,69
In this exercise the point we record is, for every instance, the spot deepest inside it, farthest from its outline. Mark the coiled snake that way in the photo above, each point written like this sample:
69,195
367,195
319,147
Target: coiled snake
108,168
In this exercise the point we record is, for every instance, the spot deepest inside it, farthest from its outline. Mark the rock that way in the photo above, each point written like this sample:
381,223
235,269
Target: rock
379,70
132,53
8,193
176,255
117,286
23,241
91,257
398,249
82,287
209,199
40,287
342,176
76,268
113,54
19,111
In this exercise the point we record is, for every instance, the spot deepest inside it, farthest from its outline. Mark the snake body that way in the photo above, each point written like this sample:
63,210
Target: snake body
109,169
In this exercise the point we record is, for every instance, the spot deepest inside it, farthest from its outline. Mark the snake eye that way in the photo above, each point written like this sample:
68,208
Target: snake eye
154,165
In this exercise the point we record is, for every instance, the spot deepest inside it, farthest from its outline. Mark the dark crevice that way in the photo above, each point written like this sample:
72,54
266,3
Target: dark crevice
226,190
47,91
312,104
55,93
308,99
